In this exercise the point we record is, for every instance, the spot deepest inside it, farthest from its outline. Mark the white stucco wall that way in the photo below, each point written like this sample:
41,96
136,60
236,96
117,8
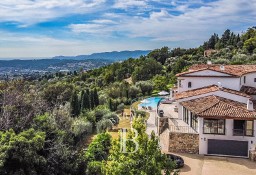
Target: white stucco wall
249,79
223,94
198,82
203,138
208,73
180,111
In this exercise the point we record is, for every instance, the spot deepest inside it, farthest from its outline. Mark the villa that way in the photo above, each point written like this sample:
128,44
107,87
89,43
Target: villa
216,111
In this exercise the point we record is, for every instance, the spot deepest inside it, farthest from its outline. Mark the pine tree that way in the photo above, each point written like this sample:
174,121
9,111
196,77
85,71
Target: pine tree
212,41
225,38
148,159
74,105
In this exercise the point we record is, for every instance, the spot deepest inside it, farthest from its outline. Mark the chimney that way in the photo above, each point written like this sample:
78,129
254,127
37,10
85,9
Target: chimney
249,105
222,67
209,62
220,85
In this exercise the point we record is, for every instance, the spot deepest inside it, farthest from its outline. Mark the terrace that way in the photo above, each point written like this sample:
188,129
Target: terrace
174,124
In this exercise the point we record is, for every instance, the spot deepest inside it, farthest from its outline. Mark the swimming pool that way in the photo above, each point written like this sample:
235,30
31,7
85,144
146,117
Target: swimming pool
152,101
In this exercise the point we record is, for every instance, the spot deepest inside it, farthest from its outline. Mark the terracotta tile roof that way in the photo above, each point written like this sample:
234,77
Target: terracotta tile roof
218,107
205,90
248,90
234,70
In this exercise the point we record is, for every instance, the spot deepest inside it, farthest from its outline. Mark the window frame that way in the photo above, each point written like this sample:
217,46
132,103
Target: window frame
244,129
189,84
215,133
194,121
180,83
185,115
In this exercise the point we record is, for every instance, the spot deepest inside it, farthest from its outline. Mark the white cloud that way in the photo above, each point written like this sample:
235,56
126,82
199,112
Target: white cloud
124,4
187,23
29,12
158,15
104,21
193,25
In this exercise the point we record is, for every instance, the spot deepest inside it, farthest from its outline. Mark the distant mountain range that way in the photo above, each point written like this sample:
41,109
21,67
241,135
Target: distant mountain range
115,55
29,66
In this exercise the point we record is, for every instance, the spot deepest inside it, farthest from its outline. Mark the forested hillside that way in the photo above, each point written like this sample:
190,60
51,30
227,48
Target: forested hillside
44,123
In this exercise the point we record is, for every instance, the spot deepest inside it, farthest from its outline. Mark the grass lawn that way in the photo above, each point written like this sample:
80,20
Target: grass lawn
136,104
123,123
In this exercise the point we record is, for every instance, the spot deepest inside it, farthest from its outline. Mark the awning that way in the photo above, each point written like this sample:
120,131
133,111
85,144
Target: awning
163,93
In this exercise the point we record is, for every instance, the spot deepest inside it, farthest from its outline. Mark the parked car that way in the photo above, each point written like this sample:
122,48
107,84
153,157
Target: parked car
161,113
179,162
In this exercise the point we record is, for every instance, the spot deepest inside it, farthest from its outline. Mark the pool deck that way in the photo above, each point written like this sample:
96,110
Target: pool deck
151,123
169,110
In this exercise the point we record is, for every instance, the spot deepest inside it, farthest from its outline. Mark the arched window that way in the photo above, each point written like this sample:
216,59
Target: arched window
189,84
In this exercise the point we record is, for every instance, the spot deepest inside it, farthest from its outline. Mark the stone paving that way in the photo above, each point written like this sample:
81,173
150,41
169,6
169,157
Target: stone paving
151,123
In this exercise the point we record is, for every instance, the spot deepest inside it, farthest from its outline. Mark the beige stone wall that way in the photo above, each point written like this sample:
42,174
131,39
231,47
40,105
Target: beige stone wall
252,155
164,140
163,124
184,143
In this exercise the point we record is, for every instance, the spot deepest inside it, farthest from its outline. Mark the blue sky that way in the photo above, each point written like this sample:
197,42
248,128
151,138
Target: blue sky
46,28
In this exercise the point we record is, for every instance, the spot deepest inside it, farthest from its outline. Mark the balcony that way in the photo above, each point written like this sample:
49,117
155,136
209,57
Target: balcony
243,132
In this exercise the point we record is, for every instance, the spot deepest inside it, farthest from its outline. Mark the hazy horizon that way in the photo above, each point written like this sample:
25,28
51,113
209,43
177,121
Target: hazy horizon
33,58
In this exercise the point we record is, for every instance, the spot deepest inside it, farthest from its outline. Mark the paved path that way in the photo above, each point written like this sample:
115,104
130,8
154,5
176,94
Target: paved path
151,124
212,165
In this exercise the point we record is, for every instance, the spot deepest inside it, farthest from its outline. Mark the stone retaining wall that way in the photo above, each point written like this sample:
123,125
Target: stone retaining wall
252,155
164,140
163,124
183,143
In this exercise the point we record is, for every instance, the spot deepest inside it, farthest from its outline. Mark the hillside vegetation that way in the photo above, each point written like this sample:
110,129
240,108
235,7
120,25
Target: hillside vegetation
44,123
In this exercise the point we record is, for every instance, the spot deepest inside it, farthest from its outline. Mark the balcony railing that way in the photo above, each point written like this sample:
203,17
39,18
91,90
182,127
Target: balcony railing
243,132
182,129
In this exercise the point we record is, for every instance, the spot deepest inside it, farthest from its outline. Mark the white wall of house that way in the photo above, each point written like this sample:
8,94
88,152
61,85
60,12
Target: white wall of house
180,111
198,82
249,79
208,73
203,138
223,94
231,96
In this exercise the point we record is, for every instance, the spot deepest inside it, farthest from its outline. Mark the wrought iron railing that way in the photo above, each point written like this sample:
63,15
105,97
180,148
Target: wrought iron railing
174,121
182,129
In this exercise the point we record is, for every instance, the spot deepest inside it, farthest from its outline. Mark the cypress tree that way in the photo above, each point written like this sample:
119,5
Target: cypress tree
85,104
87,91
96,97
74,105
92,103
110,104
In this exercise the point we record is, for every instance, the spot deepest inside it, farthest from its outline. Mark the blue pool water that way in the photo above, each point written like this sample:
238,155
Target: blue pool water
152,101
